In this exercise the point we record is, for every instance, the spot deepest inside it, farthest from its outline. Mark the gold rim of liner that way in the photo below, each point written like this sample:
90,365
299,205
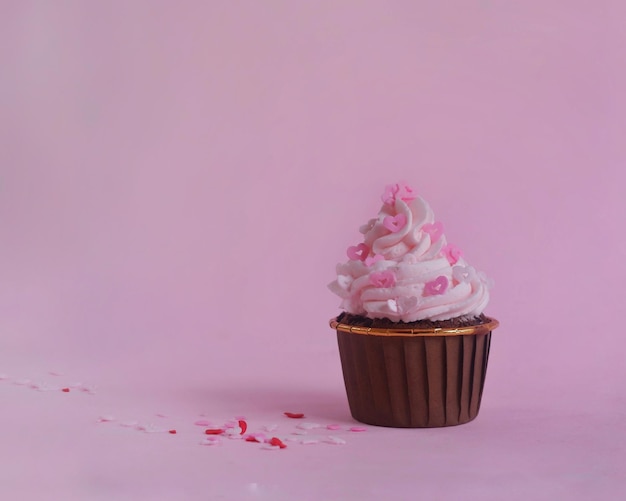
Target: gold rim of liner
483,328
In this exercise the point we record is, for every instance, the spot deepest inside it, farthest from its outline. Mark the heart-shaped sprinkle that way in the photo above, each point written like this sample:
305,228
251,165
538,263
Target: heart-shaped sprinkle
150,428
255,437
202,422
358,428
277,442
294,415
368,226
452,253
358,252
370,261
344,281
394,223
333,427
65,390
464,273
389,195
384,279
214,431
335,440
436,287
172,432
309,441
435,230
406,304
308,426
210,441
243,426
406,193
269,447
234,431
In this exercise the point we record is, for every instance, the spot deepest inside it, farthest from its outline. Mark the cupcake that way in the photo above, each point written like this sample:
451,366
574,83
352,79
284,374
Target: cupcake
413,339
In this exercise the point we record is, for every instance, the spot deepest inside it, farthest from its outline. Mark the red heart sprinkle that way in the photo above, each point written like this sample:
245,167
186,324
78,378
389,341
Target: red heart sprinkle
243,425
213,431
66,390
384,279
277,441
173,432
294,415
251,438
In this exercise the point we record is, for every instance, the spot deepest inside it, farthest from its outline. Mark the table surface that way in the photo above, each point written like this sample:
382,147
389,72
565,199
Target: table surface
523,445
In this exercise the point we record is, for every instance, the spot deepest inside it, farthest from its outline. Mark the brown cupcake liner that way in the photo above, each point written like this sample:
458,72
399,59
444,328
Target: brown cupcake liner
414,380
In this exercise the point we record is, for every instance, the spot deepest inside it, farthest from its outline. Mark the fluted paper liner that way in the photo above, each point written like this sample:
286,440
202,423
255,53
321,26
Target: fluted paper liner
414,378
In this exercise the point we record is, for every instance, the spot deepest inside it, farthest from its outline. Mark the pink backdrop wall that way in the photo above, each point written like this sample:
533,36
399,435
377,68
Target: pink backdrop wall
178,180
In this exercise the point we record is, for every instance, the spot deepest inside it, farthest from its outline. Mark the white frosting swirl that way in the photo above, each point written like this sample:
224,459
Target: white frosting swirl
405,271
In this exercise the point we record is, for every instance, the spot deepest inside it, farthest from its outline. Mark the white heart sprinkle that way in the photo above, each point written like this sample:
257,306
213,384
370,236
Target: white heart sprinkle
129,424
269,447
308,441
335,440
308,426
150,428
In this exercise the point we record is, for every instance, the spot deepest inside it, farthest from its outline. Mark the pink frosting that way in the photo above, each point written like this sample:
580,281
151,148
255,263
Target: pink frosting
405,270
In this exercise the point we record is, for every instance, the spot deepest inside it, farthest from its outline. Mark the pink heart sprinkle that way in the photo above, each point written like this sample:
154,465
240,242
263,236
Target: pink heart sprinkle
383,279
358,428
333,427
406,193
389,195
358,252
202,422
394,223
435,230
406,304
452,253
210,441
370,261
436,287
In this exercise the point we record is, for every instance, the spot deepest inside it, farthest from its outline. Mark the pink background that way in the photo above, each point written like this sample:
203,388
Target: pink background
179,179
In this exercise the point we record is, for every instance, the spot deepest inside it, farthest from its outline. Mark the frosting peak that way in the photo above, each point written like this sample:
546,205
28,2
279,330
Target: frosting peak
405,270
